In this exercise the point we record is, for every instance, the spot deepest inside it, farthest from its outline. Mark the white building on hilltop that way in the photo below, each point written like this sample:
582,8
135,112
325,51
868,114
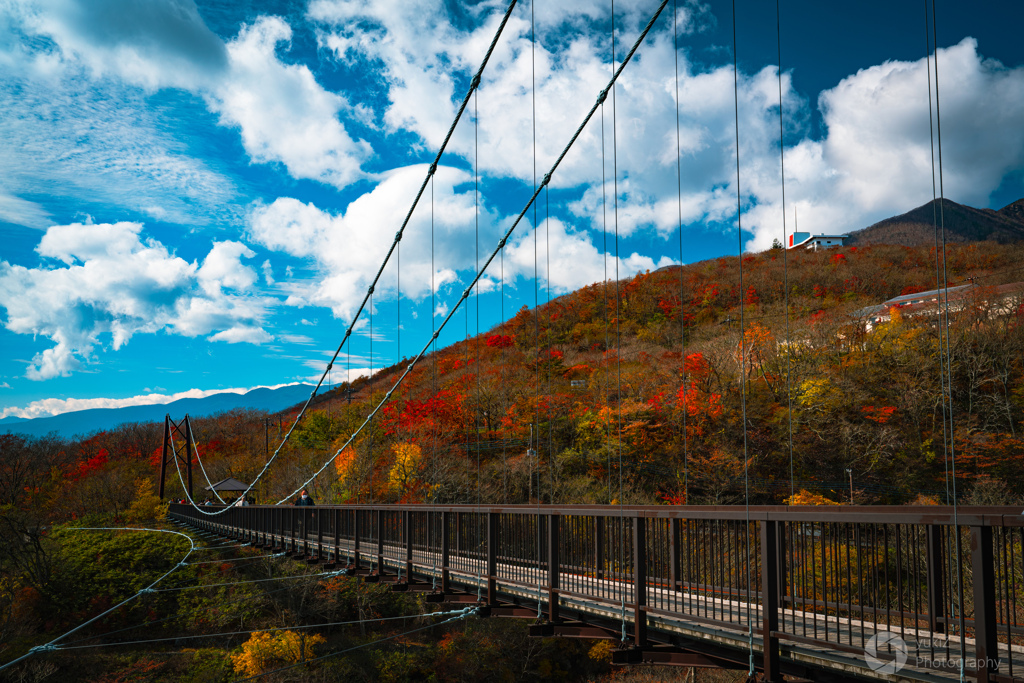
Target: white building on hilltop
806,240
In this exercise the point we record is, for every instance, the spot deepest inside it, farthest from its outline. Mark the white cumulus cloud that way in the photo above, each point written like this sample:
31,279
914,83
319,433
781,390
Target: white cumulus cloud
111,282
283,114
78,76
872,160
347,248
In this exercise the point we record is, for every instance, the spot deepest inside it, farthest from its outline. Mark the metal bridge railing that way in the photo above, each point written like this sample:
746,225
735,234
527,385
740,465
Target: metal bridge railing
825,578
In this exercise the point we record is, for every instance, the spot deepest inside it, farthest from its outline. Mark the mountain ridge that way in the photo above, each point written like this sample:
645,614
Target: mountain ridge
84,422
962,223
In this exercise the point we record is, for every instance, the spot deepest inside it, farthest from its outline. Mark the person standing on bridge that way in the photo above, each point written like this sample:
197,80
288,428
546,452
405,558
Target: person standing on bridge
306,520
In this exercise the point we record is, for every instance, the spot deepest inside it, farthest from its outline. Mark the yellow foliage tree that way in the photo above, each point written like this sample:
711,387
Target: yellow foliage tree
146,505
820,394
805,497
403,473
266,651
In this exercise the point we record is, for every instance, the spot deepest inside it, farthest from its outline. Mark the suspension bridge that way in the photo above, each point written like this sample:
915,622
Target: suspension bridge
887,593
874,593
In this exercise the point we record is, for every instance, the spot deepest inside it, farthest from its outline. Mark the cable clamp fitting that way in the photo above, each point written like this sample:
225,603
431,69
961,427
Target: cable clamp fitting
278,555
181,565
371,290
475,82
146,590
44,648
435,334
433,169
501,244
604,95
547,179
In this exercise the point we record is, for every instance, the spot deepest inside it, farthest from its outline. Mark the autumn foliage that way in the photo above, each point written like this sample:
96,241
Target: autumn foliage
688,408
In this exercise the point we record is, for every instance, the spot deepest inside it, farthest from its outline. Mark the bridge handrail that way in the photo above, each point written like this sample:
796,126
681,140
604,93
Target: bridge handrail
968,515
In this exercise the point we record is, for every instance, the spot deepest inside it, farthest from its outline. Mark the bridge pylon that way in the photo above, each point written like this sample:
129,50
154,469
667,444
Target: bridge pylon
183,429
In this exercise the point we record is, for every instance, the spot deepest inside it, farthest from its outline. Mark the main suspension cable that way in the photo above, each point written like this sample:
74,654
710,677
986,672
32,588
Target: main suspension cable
474,83
195,448
465,294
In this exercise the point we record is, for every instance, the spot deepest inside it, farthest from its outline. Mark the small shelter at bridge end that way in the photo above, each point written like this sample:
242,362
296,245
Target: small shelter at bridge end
230,484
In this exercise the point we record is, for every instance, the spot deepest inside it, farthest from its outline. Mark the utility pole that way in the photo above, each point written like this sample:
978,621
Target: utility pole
850,472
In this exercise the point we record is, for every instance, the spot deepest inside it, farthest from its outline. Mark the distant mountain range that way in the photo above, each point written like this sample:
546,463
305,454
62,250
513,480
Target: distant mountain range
85,422
962,224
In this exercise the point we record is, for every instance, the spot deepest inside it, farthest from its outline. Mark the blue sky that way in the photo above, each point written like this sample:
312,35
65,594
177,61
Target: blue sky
195,196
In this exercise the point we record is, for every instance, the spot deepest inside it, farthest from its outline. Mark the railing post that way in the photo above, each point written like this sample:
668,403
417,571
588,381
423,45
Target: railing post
357,529
599,523
380,542
337,535
291,528
770,560
306,518
780,545
492,558
673,552
319,534
936,568
446,526
640,581
407,537
983,565
458,533
553,562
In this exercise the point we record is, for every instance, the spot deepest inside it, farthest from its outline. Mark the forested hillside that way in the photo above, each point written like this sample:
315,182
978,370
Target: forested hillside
658,387
652,380
630,392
